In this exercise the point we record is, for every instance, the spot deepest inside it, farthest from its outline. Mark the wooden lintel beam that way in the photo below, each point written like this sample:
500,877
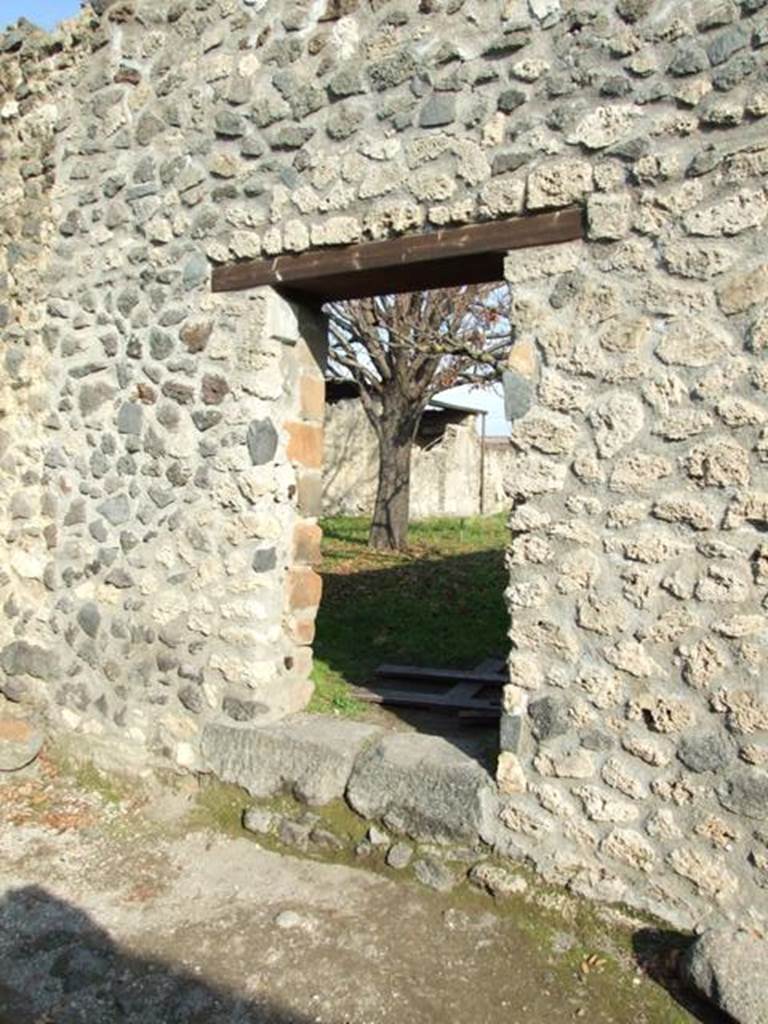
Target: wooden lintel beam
311,271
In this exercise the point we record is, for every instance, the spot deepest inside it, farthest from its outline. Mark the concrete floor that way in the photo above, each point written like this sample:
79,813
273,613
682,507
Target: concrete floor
115,906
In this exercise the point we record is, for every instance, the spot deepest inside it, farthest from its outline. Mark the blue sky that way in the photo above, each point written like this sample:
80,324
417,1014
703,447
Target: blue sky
46,13
491,399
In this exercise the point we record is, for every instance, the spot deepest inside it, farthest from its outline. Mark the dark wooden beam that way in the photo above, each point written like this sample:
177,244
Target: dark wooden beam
438,259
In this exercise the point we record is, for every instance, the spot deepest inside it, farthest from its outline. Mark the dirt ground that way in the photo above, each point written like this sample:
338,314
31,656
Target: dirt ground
121,905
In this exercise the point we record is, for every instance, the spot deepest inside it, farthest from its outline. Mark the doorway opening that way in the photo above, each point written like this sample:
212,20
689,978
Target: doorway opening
436,603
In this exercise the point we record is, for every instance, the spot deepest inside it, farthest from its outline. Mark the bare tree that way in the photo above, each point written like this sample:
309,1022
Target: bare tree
401,350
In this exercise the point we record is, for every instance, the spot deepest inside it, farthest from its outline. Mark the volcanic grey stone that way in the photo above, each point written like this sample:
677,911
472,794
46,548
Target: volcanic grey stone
549,718
734,72
510,732
399,856
91,397
510,100
391,71
295,833
434,874
689,60
377,836
264,560
20,658
147,127
229,124
195,271
130,418
344,121
325,839
727,43
518,395
205,419
14,690
439,109
730,969
259,821
89,619
310,755
119,578
422,786
20,743
261,441
346,82
192,698
745,792
633,10
710,752
508,160
116,510
240,710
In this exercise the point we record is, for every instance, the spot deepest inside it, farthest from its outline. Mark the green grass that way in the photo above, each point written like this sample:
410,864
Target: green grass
439,604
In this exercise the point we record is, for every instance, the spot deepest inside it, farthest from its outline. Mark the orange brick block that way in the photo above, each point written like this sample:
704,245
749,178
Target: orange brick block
305,588
306,543
302,662
303,630
312,397
305,444
309,497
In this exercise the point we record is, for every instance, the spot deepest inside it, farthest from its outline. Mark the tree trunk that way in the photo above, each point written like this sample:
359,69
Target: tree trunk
389,528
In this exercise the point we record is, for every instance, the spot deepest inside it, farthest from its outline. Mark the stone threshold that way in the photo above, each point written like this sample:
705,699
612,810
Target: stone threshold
431,806
416,785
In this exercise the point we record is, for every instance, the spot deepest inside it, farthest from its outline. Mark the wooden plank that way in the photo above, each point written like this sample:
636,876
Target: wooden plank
414,699
497,665
452,273
306,271
440,675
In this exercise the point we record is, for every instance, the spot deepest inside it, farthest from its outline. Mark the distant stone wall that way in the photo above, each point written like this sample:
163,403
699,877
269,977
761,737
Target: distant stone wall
161,447
445,475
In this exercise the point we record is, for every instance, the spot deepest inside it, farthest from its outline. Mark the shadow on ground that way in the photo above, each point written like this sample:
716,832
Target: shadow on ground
57,966
431,612
658,953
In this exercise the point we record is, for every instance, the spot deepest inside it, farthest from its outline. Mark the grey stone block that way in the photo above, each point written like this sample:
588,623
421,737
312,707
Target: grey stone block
399,856
129,419
422,786
549,718
261,441
710,752
259,821
518,395
310,755
745,792
730,968
510,733
440,109
116,510
264,560
435,875
20,658
89,619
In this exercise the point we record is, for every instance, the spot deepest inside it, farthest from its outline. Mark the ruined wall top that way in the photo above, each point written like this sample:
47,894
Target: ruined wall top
284,126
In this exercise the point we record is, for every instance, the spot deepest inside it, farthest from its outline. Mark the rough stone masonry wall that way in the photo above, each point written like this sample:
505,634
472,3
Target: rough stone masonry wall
636,732
163,461
157,569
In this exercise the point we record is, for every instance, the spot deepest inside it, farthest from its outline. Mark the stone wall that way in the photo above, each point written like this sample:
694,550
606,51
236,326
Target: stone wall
445,470
162,447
